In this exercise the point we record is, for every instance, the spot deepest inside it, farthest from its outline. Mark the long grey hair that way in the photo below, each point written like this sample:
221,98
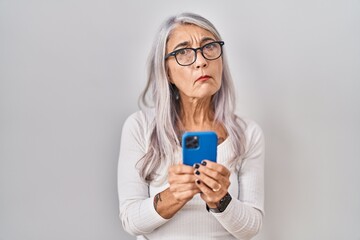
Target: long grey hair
163,96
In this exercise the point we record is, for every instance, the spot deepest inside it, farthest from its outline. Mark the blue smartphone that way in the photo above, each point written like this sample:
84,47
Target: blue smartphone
198,146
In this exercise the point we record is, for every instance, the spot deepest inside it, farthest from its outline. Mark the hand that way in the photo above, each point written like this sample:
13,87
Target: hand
213,181
182,182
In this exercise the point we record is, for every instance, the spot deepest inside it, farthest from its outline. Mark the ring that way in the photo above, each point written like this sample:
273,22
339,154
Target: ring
217,189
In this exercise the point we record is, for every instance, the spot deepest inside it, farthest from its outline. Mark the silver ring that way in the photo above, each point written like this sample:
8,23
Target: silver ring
217,189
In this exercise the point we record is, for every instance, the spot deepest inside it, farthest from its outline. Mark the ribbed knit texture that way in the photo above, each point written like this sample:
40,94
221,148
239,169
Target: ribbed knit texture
242,219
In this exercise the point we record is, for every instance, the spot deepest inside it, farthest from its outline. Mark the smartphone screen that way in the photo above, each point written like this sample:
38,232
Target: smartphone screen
198,146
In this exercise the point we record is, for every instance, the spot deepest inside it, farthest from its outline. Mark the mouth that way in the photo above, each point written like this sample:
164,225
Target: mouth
203,78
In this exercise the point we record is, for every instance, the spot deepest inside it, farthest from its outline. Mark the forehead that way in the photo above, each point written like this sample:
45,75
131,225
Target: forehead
188,33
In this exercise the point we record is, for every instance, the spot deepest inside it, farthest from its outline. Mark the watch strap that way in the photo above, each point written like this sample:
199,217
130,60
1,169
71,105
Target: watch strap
222,205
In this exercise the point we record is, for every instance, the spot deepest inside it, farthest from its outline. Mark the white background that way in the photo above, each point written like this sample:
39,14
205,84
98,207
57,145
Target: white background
71,72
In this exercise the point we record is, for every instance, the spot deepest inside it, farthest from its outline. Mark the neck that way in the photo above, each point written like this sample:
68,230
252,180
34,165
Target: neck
196,114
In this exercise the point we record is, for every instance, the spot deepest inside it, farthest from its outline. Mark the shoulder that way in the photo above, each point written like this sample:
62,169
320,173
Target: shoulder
251,127
253,133
140,120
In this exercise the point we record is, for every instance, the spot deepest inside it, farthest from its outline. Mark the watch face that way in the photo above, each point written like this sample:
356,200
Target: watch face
223,203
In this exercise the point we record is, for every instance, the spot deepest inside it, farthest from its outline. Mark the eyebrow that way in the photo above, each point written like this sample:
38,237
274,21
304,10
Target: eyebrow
183,44
186,43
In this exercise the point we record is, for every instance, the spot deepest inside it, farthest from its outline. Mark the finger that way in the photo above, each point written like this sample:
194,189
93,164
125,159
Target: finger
210,173
181,178
214,174
186,195
216,167
213,183
181,169
183,187
207,194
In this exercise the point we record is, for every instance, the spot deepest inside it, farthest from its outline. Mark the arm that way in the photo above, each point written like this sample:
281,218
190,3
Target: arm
182,189
137,212
242,217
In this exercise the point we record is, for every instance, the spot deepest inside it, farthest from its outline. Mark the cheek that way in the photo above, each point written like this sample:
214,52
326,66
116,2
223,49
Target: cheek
178,76
219,71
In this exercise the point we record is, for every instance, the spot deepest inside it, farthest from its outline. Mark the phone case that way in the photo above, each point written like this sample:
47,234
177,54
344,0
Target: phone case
198,146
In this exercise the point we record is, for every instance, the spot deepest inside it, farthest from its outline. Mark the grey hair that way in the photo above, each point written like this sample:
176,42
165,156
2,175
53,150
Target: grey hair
162,94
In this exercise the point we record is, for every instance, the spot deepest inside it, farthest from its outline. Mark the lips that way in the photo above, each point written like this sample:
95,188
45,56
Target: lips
203,78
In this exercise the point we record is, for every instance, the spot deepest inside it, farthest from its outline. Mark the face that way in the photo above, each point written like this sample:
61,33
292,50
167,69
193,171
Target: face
202,79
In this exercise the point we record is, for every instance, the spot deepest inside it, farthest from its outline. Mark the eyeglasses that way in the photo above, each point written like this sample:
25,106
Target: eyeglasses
187,56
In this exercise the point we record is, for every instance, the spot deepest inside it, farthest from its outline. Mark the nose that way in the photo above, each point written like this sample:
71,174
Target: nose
200,60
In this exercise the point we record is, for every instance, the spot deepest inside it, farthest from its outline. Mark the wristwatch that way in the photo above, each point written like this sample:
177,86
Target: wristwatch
221,206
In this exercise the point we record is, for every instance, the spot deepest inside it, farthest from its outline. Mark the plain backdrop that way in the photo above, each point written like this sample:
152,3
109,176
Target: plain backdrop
71,72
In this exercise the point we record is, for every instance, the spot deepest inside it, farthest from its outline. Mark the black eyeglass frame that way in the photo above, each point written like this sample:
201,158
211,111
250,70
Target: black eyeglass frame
195,50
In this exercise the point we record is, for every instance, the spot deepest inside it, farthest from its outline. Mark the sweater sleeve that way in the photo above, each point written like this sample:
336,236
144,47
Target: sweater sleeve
243,217
137,213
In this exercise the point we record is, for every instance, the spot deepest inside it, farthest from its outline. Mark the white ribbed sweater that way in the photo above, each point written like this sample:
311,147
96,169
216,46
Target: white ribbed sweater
242,219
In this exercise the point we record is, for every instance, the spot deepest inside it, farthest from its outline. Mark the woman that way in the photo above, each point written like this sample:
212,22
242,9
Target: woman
190,86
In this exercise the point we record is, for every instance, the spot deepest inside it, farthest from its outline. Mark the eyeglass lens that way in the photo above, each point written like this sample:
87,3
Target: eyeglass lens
187,56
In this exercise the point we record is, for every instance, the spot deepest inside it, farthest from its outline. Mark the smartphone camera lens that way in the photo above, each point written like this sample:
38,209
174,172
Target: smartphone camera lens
192,142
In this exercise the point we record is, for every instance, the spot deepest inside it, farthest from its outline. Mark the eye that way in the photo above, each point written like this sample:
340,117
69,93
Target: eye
210,46
183,52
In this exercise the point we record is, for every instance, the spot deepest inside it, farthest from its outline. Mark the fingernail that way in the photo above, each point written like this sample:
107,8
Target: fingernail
203,163
197,172
196,165
198,181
